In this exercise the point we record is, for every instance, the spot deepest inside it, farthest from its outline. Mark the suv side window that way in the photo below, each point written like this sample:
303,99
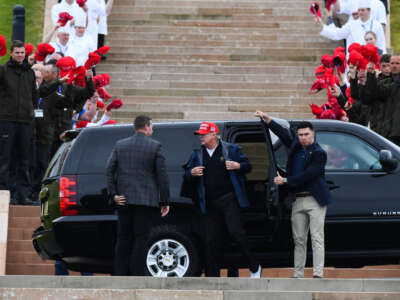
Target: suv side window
348,152
57,161
345,152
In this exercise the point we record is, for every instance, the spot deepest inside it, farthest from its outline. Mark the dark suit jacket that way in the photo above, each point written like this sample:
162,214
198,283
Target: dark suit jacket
136,169
312,179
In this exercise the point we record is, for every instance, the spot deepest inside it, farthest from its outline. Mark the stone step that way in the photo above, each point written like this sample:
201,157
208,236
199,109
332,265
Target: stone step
213,63
210,29
210,59
222,37
286,76
227,51
30,268
240,85
278,101
25,257
248,69
145,294
175,107
221,44
120,92
388,285
20,233
24,211
262,16
24,222
257,5
20,246
303,26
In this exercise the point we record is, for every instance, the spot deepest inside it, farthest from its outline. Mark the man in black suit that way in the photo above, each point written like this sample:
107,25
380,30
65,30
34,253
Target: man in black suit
306,179
138,183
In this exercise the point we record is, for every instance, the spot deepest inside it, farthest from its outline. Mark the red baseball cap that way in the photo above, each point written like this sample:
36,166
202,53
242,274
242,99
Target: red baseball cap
207,127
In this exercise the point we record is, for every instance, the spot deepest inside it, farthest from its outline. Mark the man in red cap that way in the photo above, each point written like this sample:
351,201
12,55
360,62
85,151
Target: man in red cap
218,171
18,91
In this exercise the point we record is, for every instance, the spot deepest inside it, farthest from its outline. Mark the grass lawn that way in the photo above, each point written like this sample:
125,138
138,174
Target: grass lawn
34,18
395,24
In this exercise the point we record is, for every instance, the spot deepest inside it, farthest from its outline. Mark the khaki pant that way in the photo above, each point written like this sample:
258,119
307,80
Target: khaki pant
308,215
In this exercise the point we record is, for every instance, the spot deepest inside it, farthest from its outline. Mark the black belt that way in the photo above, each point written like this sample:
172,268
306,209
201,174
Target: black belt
303,194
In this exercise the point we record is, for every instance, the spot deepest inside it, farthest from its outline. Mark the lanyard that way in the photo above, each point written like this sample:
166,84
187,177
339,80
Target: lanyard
40,101
59,89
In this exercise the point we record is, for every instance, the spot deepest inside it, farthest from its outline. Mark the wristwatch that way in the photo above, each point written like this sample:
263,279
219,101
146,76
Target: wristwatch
284,180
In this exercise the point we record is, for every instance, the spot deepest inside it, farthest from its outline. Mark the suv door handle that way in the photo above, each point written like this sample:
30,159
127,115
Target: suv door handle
332,185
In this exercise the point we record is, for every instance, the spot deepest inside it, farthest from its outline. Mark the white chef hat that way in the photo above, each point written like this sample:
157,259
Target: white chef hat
80,20
64,29
364,3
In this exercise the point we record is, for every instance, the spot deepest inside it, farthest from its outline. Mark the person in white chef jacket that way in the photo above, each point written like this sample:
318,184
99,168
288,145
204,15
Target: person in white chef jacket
103,27
96,9
70,7
354,31
81,43
378,10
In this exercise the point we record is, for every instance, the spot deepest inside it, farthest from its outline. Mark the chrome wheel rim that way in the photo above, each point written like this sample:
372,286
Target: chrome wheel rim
167,258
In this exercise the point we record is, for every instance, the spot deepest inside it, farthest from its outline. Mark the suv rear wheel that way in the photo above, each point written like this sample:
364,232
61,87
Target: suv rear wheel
170,253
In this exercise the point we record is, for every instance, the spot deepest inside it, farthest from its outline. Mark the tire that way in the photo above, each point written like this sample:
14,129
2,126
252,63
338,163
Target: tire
170,253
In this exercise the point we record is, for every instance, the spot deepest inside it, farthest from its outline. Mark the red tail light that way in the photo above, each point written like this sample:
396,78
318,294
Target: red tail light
68,195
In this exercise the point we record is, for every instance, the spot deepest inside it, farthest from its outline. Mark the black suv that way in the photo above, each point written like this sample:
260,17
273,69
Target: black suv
79,223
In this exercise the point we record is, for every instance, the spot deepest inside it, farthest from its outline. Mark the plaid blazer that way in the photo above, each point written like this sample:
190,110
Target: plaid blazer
136,169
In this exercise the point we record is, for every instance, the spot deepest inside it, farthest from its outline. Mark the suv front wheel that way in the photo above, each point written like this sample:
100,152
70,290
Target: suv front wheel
170,253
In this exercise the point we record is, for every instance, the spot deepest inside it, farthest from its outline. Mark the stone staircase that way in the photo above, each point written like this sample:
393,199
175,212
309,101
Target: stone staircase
211,59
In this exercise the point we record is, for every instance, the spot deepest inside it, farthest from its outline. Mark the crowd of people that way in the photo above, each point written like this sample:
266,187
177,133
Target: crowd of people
49,91
360,78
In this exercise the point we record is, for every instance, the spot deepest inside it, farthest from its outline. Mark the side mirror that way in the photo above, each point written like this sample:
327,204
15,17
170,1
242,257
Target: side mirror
387,161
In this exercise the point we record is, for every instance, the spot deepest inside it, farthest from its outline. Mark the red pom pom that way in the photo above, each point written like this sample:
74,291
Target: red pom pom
329,3
103,50
100,104
103,94
81,3
42,50
115,104
327,61
63,18
78,76
3,45
314,8
29,48
355,47
66,65
93,60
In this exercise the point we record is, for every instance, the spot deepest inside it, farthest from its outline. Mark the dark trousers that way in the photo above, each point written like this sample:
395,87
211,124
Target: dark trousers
134,223
100,40
221,212
15,143
42,162
61,269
